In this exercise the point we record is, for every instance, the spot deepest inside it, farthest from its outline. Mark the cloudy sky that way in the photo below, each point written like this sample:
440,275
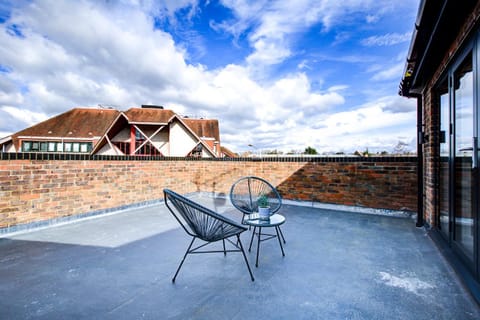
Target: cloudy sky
276,74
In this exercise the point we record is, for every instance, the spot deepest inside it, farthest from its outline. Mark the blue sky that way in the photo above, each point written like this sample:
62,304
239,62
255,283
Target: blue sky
276,74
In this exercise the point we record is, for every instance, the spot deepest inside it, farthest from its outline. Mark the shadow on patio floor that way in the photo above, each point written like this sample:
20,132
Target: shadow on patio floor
338,265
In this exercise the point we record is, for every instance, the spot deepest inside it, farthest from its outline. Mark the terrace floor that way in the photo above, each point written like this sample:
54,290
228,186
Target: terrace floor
338,265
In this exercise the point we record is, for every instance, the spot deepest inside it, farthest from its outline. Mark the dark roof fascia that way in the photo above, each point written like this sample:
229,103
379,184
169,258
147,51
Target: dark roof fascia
436,28
427,17
425,55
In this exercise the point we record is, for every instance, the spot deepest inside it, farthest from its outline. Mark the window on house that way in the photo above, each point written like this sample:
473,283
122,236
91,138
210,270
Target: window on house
124,147
26,146
53,146
196,152
147,149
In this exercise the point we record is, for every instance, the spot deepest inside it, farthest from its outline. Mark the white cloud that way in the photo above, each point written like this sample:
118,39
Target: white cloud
275,21
85,53
390,73
81,54
378,126
26,116
388,39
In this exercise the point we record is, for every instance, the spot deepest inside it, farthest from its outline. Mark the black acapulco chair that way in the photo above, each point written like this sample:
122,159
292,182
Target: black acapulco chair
245,193
204,224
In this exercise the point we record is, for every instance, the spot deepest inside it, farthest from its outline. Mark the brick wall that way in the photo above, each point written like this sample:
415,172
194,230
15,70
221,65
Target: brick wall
36,190
431,118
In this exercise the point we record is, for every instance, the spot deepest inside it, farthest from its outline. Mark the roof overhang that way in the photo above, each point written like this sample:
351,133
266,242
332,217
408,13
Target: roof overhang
148,123
5,139
437,26
58,138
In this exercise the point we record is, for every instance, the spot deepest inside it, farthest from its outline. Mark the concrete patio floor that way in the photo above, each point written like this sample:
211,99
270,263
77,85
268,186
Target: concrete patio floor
338,265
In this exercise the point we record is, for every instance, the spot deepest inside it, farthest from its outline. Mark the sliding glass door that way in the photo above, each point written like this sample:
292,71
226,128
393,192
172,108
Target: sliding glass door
464,172
458,177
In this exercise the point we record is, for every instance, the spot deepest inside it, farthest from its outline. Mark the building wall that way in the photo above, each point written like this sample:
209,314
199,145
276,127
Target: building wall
431,118
181,141
36,190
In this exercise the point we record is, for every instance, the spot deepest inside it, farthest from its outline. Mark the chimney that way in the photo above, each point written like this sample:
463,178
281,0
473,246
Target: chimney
151,106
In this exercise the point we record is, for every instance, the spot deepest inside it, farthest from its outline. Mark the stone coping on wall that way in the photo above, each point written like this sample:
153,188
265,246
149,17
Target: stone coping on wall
38,225
86,157
336,207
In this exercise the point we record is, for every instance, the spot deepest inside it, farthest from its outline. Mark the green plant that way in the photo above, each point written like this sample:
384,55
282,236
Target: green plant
262,201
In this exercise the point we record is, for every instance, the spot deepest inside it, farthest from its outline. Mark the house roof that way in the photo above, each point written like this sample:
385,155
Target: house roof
84,123
149,115
94,124
78,122
203,127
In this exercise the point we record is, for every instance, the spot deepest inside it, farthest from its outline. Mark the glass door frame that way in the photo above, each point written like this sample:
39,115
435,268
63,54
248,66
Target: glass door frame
472,264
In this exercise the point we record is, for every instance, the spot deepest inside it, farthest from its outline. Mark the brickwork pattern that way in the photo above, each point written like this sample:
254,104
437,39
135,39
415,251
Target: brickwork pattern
37,190
431,119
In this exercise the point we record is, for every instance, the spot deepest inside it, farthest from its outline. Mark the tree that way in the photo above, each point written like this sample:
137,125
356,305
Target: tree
310,150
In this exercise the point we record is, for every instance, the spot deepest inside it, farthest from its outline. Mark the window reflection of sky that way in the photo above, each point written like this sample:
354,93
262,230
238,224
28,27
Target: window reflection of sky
444,123
464,114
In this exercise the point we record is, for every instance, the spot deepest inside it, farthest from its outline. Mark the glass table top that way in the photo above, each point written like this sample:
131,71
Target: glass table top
274,220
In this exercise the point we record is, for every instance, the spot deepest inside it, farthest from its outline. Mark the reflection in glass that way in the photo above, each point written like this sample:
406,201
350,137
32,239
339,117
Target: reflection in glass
444,170
463,82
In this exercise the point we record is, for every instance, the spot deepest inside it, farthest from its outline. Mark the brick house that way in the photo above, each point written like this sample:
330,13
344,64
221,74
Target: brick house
146,131
442,72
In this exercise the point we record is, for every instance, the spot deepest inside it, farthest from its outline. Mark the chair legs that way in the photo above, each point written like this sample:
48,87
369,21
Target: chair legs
245,257
181,263
281,233
239,249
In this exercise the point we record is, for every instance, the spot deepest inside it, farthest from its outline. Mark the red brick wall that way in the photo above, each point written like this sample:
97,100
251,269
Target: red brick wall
431,116
36,190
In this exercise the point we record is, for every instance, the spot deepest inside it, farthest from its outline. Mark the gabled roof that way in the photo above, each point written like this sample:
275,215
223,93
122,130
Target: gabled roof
203,127
77,123
198,129
96,124
149,116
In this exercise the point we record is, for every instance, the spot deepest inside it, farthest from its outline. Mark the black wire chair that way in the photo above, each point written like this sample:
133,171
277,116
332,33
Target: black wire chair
246,191
204,224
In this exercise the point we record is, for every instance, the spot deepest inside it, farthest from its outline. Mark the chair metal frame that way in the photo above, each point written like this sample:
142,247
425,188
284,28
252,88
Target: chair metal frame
204,224
245,192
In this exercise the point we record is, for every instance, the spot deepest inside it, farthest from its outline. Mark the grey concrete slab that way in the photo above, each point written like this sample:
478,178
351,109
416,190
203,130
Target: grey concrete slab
338,265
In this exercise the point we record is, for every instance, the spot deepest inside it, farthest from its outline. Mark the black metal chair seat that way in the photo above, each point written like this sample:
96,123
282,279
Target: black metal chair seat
204,224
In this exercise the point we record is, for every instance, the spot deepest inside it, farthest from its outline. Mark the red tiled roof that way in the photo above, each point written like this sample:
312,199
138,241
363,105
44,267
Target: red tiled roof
204,127
82,123
90,122
148,115
76,123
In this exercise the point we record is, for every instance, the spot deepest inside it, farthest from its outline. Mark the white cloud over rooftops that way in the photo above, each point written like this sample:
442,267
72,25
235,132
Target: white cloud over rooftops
65,54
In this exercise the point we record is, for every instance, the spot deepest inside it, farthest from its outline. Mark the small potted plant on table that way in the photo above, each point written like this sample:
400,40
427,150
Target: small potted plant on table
263,207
